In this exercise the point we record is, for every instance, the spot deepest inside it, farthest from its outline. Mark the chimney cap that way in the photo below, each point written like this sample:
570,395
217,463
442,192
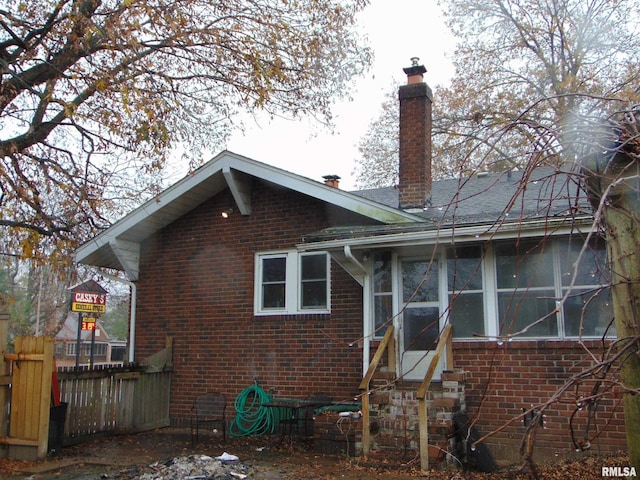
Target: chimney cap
331,177
332,181
415,69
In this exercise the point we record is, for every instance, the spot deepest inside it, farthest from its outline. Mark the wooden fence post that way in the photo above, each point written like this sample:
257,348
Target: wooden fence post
5,380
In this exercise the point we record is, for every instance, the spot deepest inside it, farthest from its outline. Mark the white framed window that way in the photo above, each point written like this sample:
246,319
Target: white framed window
587,310
99,349
291,282
465,290
528,288
382,292
533,277
526,291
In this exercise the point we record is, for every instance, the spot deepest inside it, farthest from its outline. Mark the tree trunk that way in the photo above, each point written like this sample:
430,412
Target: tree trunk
621,222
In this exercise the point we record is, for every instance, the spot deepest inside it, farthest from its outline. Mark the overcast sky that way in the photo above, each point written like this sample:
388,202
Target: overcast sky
397,30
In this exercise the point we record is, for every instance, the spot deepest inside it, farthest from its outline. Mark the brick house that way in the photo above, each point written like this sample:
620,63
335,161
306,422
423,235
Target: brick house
295,285
106,350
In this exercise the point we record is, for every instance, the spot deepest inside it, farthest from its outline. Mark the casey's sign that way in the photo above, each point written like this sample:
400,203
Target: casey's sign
88,302
94,298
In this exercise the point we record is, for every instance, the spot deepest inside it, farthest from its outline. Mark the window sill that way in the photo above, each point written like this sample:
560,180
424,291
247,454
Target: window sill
279,313
460,344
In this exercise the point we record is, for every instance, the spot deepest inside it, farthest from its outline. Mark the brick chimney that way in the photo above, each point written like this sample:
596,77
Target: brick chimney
415,138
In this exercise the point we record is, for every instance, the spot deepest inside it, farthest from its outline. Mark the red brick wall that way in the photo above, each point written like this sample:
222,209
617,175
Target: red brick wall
197,285
502,380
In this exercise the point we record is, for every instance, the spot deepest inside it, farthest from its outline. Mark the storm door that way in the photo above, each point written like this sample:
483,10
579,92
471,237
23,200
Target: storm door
419,321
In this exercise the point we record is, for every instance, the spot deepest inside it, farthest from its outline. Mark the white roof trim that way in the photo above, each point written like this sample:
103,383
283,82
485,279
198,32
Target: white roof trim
225,170
319,190
474,233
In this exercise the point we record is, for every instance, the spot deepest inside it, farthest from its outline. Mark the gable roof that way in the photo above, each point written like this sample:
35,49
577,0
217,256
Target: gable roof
118,247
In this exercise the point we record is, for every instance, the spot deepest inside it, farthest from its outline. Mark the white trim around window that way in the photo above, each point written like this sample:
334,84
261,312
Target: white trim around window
289,282
499,289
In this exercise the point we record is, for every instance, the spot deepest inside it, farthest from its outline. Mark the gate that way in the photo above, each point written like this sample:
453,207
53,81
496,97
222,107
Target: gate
123,400
30,397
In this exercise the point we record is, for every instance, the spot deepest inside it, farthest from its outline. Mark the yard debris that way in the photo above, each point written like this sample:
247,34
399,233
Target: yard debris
157,455
198,467
227,457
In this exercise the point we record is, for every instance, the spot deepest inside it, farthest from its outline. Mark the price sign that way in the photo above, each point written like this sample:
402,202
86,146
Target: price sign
88,323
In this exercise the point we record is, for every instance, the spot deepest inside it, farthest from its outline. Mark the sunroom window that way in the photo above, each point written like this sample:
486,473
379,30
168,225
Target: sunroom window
382,292
466,297
291,282
526,289
587,307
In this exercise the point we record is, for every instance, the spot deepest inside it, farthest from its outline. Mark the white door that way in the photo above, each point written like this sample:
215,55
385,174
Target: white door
419,322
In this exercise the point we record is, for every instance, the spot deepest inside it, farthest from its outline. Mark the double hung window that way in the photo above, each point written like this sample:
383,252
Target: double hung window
291,282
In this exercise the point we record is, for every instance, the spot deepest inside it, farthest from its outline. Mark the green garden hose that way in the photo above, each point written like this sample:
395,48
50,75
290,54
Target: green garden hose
252,419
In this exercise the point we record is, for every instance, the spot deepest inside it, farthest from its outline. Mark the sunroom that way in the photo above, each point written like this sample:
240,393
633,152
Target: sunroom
524,282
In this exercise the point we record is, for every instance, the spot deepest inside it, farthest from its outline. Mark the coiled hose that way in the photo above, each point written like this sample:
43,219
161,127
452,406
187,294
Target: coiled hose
252,419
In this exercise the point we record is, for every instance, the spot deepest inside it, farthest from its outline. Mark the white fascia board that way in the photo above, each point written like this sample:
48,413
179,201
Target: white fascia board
315,189
154,206
461,234
226,162
89,246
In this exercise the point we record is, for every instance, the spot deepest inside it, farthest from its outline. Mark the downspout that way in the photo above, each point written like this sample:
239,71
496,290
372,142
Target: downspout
132,310
366,309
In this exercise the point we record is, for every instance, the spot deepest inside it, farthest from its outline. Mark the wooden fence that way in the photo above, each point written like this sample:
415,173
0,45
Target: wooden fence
120,400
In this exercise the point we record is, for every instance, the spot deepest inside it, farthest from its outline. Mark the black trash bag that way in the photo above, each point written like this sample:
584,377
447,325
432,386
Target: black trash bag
478,458
57,417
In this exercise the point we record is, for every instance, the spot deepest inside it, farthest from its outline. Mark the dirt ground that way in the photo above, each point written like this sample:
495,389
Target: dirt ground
125,457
